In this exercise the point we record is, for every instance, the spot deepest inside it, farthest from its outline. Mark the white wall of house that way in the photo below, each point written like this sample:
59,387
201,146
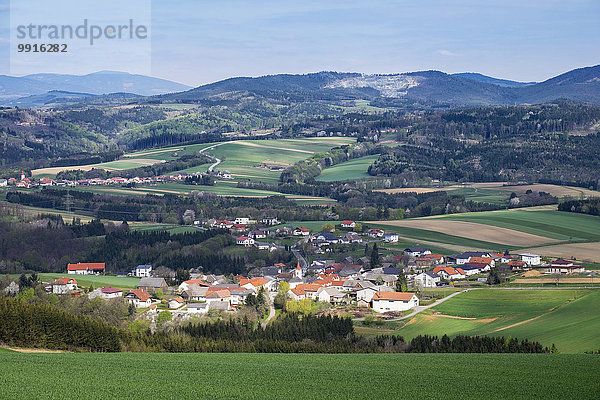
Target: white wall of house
394,305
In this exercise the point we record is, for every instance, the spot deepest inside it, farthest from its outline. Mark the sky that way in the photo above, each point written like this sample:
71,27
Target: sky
196,42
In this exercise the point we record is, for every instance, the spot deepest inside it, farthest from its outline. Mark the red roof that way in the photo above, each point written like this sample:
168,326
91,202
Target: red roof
141,294
347,222
298,291
196,282
308,287
222,293
65,281
86,266
110,290
303,229
242,238
562,262
394,296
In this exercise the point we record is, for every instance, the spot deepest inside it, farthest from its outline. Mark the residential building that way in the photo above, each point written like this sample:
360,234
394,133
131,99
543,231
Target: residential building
348,224
390,237
86,268
394,301
64,285
330,294
176,303
531,259
301,231
139,298
427,279
245,241
143,271
416,251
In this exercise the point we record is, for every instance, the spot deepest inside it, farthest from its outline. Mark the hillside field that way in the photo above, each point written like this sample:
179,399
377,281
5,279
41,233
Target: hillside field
568,318
298,376
350,170
95,280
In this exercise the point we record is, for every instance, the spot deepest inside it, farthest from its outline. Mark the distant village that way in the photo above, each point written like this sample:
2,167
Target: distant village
353,282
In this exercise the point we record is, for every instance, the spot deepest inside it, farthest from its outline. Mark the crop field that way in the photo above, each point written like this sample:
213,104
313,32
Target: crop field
298,376
95,280
540,230
350,170
568,318
498,193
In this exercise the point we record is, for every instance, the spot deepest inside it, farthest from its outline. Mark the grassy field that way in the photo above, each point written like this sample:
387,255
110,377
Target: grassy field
568,318
350,170
298,376
95,280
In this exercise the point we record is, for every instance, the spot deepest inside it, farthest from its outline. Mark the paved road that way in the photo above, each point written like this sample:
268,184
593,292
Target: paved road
303,263
217,161
271,313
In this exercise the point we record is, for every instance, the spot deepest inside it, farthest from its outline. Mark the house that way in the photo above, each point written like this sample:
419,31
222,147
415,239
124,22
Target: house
352,237
239,295
254,283
258,234
517,265
466,256
223,224
450,273
326,237
416,251
384,279
265,246
143,271
437,258
139,298
175,303
531,259
297,293
152,284
308,290
483,260
390,237
64,285
348,224
427,279
185,285
394,301
424,262
197,308
366,294
501,257
350,271
242,221
85,268
375,233
244,241
330,295
3,182
108,293
565,267
270,221
472,268
195,293
219,296
301,231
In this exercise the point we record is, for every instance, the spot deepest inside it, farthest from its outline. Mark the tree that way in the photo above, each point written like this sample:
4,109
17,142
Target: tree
494,277
401,284
188,217
375,256
303,306
164,316
328,227
282,297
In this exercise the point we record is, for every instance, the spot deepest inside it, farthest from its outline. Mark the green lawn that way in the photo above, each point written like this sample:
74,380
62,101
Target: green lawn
350,170
567,318
96,280
298,376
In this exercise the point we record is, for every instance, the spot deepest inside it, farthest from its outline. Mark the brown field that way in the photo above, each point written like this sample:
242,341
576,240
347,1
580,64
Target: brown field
24,350
472,230
152,152
582,251
55,170
563,279
555,190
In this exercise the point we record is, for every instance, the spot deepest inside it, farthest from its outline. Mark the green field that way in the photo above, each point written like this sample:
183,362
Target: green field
95,280
350,170
568,318
298,376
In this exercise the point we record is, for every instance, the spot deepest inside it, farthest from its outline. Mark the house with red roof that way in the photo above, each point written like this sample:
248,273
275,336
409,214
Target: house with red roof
565,267
64,285
139,298
175,303
301,231
110,293
394,301
348,224
244,241
86,268
450,273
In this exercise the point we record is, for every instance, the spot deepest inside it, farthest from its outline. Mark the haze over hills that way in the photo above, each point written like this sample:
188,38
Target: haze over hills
477,77
97,83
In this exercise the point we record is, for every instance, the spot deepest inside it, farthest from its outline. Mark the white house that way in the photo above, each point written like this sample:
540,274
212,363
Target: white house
301,231
242,221
330,295
390,237
85,268
531,259
270,221
3,182
139,298
348,224
394,301
143,271
245,241
375,233
366,294
108,293
427,279
197,308
416,251
176,302
64,285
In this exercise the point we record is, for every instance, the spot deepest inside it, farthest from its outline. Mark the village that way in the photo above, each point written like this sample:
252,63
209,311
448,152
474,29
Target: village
391,288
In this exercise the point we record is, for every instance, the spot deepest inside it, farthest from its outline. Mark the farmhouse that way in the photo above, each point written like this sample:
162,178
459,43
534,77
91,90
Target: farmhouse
416,251
242,221
152,284
106,293
197,308
301,231
185,285
531,259
176,302
427,279
466,256
245,241
139,298
565,267
450,273
375,233
195,293
64,285
330,294
394,301
390,237
348,224
85,268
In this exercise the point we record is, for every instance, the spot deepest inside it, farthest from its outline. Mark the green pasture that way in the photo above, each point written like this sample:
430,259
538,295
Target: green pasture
298,376
350,170
95,280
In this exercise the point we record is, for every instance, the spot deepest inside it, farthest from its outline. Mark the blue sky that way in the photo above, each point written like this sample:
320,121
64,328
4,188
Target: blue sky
197,42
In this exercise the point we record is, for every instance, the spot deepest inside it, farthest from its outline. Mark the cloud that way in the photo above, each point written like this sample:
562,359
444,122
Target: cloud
447,53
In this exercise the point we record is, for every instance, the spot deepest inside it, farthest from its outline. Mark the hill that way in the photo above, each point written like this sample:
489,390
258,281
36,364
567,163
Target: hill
102,82
477,77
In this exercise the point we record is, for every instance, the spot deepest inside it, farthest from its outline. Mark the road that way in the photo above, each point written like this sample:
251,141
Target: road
217,160
303,263
271,311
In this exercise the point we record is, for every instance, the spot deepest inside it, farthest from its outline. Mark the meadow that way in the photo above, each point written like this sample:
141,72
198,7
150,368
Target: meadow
95,280
350,170
298,376
568,318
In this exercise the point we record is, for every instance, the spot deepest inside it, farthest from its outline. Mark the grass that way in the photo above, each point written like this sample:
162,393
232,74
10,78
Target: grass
350,170
96,280
565,317
298,376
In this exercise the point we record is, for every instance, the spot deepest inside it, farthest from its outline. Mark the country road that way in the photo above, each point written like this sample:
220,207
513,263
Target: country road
217,160
271,313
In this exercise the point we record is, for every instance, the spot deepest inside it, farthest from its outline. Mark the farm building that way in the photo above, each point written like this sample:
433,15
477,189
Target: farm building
64,285
86,268
394,301
152,284
139,298
531,259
